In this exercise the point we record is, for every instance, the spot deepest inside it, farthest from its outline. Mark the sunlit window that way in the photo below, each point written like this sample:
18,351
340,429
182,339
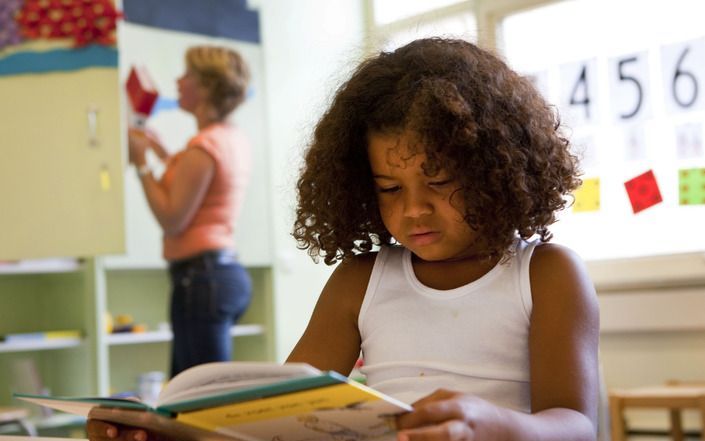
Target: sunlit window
387,11
628,78
456,26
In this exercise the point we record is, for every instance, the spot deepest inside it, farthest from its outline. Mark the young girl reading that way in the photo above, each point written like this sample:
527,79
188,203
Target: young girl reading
451,163
432,179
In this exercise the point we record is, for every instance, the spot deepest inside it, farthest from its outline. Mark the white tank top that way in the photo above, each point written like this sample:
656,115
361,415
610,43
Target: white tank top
473,339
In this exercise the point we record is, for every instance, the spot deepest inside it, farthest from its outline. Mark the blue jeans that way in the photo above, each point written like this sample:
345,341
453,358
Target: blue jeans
209,294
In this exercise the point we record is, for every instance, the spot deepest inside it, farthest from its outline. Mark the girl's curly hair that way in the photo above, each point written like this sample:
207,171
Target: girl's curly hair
473,116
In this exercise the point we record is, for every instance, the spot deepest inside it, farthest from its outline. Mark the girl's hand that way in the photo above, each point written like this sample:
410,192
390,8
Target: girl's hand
98,430
451,416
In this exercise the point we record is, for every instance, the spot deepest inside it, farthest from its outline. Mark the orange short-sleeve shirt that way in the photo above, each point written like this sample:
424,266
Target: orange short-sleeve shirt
213,224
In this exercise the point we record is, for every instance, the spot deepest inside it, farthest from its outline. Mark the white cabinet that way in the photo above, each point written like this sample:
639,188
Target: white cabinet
61,173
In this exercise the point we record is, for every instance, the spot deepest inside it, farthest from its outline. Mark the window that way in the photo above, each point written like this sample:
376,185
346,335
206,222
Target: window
388,11
628,78
397,22
460,25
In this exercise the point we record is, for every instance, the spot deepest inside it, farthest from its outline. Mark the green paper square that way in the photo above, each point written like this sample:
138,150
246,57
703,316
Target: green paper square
691,186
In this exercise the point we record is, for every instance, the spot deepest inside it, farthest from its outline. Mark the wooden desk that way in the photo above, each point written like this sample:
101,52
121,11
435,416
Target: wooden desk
674,398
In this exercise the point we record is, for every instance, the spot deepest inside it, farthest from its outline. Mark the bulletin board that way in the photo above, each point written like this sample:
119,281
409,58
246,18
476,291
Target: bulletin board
628,81
156,35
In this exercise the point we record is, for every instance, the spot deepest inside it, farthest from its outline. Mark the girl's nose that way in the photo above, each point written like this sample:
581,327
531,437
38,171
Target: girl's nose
416,204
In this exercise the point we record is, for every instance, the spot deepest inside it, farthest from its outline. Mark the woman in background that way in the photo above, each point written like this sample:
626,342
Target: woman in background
197,201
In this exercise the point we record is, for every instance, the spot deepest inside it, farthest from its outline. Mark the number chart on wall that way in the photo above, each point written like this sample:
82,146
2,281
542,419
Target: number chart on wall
628,81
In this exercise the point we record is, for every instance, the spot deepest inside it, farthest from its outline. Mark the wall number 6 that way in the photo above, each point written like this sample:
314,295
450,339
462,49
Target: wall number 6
680,74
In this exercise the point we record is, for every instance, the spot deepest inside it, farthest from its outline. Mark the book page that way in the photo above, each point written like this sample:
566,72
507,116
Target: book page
82,406
206,379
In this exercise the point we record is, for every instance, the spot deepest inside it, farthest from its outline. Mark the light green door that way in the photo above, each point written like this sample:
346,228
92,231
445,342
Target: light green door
61,189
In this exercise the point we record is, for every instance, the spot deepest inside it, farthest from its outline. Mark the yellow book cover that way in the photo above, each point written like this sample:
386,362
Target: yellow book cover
345,411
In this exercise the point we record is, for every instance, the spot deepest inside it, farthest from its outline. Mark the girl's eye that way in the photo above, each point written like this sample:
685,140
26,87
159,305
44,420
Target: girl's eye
440,183
388,189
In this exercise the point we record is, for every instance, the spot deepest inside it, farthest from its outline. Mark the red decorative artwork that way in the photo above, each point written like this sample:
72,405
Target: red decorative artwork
85,21
643,191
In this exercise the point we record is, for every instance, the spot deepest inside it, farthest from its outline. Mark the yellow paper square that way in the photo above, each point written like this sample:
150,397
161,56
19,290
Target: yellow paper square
104,179
587,196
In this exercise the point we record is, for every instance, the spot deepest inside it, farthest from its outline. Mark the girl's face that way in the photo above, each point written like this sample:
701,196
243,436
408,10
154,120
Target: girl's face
191,93
422,212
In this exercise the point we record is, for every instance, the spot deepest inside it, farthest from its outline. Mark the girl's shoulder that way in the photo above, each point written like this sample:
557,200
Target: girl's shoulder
357,268
345,289
548,255
352,275
558,275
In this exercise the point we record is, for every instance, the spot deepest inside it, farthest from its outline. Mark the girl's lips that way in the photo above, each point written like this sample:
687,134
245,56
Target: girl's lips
426,238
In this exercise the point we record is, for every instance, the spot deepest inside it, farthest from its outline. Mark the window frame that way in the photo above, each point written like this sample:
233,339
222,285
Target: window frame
488,15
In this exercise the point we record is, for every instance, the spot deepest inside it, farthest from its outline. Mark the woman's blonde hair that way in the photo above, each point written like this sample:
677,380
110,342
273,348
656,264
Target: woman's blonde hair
223,73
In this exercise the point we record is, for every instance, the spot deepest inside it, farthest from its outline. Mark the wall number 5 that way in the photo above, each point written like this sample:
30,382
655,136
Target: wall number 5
639,90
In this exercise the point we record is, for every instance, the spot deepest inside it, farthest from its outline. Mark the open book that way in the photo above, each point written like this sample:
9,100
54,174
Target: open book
250,401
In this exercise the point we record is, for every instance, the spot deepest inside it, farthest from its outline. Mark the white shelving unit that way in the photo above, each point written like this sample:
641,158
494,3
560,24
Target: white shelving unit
45,422
130,338
40,266
80,293
41,345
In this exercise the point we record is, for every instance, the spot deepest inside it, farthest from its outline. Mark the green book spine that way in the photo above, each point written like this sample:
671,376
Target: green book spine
281,388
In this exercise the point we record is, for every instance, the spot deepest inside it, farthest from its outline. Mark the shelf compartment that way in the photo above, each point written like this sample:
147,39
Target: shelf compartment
41,345
40,266
129,338
54,421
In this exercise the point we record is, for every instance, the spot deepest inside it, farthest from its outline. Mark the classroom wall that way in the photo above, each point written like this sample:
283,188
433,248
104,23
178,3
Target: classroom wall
308,46
652,326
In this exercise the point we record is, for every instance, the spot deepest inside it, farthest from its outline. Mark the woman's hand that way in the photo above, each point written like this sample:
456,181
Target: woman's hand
141,140
98,430
138,143
452,416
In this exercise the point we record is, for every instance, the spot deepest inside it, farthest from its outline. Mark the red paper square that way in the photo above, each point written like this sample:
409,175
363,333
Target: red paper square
643,191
